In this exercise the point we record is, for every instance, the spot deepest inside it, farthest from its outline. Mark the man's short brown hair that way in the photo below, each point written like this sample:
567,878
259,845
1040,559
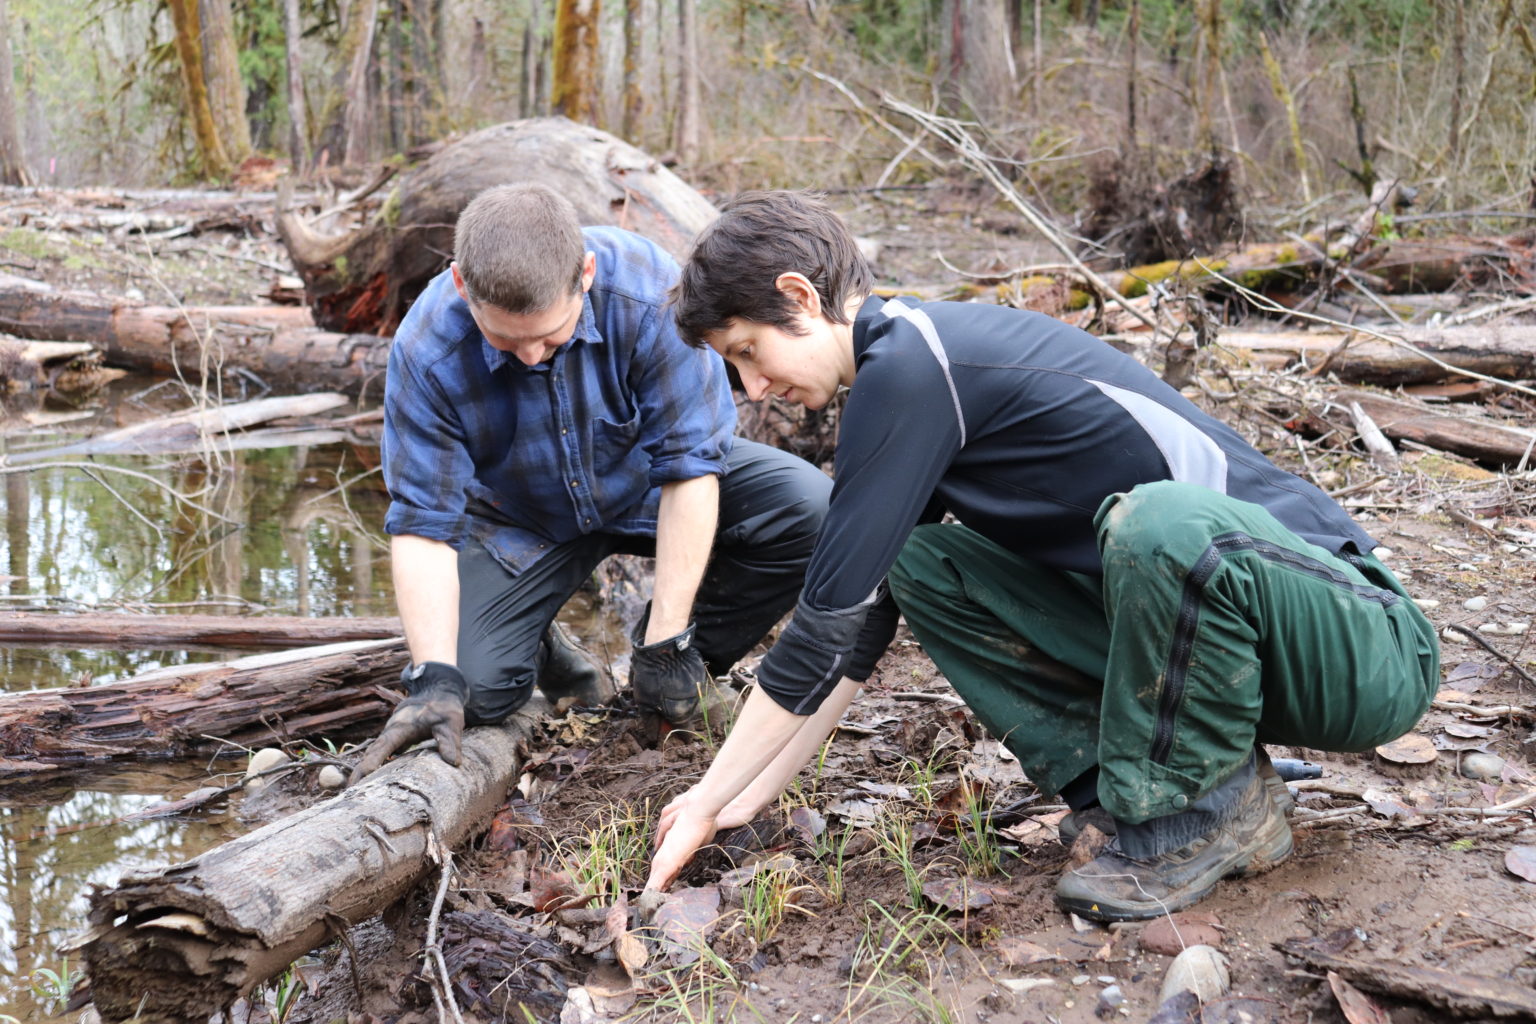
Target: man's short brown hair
519,248
758,236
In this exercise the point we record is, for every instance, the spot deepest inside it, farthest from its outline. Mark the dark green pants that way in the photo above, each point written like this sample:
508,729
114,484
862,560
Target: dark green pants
1212,629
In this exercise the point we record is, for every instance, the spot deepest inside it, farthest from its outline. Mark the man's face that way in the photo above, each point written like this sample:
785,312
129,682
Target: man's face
531,338
795,368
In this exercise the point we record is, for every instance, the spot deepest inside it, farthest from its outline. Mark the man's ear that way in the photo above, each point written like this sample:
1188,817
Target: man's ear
799,290
458,282
588,271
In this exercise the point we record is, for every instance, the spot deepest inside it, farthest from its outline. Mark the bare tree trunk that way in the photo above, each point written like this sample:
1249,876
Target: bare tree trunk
977,72
395,75
13,160
1133,31
221,69
634,66
210,148
298,118
1459,68
688,112
576,59
357,49
1037,66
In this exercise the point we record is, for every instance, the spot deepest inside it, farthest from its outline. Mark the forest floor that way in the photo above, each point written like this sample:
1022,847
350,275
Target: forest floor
887,889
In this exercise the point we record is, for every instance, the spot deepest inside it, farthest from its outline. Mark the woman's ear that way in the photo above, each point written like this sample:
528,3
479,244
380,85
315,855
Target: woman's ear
799,290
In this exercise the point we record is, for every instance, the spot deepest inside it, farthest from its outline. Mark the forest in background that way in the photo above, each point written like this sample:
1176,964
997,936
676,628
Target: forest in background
1083,102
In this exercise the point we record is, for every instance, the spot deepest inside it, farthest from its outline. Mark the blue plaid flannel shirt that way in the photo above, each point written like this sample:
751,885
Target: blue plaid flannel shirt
479,447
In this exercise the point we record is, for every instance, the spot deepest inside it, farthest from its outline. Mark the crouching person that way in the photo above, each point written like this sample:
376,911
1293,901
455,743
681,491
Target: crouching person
541,413
1132,598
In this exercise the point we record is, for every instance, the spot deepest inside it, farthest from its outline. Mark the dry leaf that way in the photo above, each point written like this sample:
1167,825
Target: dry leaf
1357,1006
1470,675
631,953
1017,952
1387,805
686,920
956,894
809,823
1410,749
1521,860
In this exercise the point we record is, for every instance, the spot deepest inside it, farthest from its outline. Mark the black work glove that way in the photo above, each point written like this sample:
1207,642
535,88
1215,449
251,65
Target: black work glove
667,677
432,709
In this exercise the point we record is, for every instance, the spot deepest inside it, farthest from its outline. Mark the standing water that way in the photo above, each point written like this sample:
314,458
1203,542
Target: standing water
292,531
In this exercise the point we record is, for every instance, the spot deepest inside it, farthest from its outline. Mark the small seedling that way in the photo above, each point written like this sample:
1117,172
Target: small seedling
52,988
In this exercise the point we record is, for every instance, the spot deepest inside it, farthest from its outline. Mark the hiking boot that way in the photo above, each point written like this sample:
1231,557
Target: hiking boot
567,670
1070,827
1116,887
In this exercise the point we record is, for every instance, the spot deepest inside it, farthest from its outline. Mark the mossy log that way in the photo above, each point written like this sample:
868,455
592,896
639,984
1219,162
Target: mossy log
364,280
1504,352
181,943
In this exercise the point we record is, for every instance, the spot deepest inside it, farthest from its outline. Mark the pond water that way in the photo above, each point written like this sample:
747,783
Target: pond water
293,531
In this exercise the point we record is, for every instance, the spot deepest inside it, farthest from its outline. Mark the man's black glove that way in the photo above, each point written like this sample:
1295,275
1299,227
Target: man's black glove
668,676
433,709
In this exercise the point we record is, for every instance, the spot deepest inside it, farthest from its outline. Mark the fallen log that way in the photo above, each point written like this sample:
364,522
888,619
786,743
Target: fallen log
61,365
280,345
1462,994
151,631
1508,353
180,943
171,712
1487,442
194,428
364,280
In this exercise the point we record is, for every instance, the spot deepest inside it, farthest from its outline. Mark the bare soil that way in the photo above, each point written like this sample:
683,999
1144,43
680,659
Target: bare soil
1393,864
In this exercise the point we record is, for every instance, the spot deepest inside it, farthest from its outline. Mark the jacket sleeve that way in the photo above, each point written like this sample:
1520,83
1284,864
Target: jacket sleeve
897,440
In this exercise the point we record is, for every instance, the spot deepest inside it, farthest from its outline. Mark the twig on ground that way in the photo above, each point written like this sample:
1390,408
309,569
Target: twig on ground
1477,638
953,132
442,985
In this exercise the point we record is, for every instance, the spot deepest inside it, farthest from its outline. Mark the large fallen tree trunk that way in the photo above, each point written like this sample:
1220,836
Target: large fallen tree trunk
1501,446
183,942
277,344
1504,352
364,280
144,631
174,711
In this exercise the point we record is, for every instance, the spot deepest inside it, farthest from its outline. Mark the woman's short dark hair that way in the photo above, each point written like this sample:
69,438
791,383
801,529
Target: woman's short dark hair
758,236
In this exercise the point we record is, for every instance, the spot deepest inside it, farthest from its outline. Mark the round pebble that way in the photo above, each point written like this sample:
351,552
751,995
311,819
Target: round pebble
1110,999
266,757
332,777
1477,765
1475,604
1199,969
1428,604
1382,554
1081,979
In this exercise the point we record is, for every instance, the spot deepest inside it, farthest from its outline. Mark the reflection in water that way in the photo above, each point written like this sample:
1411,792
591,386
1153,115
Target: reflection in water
290,531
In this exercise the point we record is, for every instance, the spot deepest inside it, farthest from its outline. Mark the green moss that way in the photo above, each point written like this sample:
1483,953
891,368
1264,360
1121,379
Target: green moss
341,266
389,213
31,243
1287,254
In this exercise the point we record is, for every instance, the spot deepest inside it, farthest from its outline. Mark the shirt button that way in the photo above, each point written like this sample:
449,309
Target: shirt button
1181,801
575,484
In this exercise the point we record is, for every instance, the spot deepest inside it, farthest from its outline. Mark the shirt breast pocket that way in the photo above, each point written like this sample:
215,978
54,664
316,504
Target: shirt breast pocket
616,446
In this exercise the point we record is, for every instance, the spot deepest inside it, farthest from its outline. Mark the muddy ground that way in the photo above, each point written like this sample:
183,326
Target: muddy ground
908,875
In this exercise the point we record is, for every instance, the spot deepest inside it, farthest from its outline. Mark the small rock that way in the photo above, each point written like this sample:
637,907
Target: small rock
1382,554
1110,1000
266,757
332,777
133,294
1081,979
1199,969
1475,604
1170,936
1024,984
1107,979
1452,636
1482,766
1427,604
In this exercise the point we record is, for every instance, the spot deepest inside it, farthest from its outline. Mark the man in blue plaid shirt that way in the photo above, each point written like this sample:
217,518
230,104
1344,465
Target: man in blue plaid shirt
540,414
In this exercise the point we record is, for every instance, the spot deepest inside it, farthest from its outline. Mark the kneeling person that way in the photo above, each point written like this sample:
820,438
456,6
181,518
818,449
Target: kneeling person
1132,599
541,414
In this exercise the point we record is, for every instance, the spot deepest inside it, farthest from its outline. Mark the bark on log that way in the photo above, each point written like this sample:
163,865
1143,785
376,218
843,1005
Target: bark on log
1501,446
1462,994
116,630
1505,352
175,711
183,942
365,280
278,344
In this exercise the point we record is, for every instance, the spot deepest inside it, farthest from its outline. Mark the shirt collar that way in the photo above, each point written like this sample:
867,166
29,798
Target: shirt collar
586,333
866,317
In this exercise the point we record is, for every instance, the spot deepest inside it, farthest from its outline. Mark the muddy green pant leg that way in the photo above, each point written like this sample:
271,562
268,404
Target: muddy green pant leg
1025,646
1227,629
